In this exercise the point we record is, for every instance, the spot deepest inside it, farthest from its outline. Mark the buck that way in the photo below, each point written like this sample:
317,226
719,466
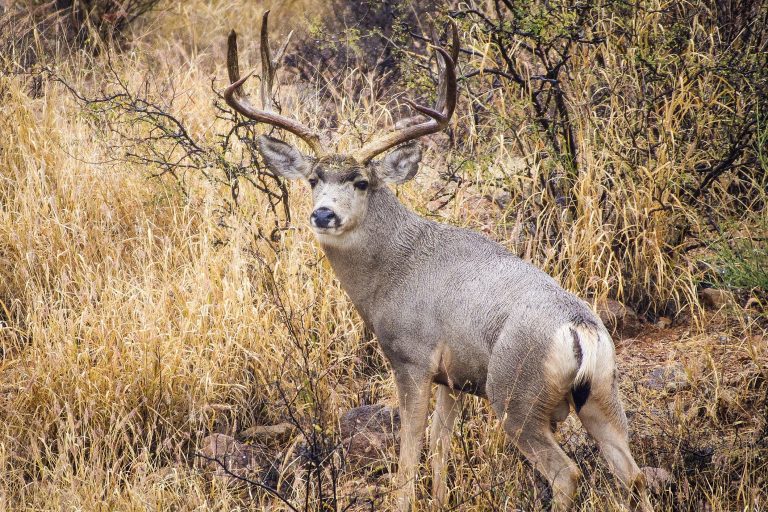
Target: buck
449,306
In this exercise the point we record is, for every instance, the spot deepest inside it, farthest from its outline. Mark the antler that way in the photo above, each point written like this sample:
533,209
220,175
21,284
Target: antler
438,116
238,101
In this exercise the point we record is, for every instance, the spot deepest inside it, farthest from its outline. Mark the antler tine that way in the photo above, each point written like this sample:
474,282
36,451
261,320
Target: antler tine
441,64
269,65
237,100
455,47
439,116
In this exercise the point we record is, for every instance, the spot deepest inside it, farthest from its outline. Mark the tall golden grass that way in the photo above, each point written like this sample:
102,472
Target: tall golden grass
135,320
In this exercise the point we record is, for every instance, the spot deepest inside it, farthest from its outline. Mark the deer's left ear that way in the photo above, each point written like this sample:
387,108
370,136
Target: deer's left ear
399,165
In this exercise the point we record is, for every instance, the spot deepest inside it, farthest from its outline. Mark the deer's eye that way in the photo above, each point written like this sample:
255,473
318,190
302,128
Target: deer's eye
312,182
361,185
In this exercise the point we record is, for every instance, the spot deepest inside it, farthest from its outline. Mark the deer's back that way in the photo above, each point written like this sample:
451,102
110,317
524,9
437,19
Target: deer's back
457,290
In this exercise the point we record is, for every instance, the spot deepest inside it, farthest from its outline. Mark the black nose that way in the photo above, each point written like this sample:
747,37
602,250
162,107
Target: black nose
323,217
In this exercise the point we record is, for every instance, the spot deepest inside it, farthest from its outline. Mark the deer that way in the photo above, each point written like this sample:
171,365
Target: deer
448,306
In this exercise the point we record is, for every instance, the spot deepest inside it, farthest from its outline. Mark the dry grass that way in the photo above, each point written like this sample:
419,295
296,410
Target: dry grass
134,321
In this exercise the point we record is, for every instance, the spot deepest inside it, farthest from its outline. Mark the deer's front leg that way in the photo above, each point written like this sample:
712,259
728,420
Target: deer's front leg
413,388
443,419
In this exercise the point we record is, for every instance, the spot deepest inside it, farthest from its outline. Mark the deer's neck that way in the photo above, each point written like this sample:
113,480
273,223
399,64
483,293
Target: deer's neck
369,258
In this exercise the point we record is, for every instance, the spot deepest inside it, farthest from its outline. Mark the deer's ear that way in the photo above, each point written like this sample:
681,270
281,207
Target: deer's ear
400,165
283,159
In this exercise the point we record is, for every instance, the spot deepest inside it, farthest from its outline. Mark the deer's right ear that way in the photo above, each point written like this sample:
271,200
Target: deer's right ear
283,159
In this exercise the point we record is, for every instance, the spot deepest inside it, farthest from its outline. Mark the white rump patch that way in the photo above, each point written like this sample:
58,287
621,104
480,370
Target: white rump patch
595,347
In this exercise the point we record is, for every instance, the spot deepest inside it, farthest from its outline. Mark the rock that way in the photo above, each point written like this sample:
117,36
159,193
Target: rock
237,458
268,433
716,299
370,418
656,478
616,316
369,435
369,449
670,378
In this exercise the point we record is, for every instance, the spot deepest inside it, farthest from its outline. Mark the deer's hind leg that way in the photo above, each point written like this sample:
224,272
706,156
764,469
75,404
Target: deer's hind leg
527,409
603,417
536,441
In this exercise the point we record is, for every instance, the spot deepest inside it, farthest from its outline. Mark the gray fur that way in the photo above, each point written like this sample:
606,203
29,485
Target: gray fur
450,306
420,284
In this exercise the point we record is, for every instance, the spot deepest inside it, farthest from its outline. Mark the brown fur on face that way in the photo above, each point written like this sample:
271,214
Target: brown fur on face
339,169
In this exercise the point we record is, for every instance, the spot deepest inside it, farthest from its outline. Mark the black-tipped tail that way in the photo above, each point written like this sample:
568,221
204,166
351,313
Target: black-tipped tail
580,394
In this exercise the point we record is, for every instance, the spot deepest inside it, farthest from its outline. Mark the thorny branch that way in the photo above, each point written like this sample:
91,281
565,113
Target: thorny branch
152,136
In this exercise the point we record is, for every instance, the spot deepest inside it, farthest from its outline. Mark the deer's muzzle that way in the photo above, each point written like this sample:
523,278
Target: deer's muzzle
324,218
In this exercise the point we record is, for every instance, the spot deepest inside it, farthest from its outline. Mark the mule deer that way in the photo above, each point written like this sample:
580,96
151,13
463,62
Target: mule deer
448,305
